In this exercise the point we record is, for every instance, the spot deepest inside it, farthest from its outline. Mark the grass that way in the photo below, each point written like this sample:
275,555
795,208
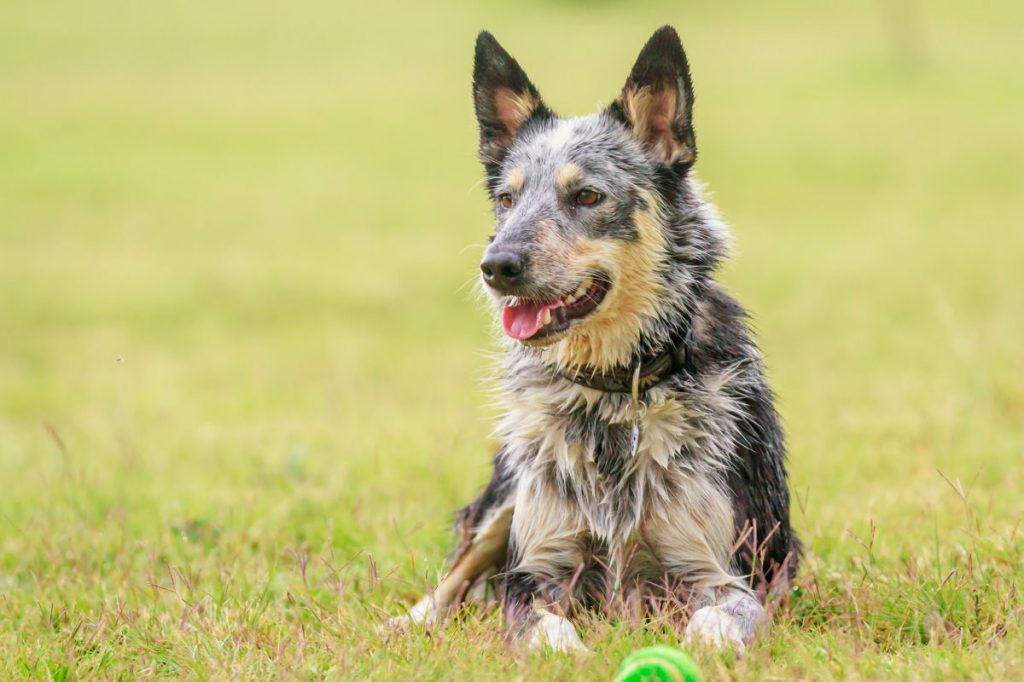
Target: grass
240,367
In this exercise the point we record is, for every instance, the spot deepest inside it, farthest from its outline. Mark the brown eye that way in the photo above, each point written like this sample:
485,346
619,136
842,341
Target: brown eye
588,197
505,200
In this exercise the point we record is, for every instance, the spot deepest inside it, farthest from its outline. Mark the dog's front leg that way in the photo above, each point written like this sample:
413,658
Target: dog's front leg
533,620
543,550
476,560
693,539
730,620
483,531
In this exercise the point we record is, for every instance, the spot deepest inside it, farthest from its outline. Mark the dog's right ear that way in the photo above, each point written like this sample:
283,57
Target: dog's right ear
503,96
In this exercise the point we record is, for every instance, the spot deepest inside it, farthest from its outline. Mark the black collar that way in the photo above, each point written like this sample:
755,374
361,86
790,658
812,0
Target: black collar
653,369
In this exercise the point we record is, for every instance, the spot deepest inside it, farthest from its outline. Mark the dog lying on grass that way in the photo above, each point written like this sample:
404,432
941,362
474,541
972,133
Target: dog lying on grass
641,460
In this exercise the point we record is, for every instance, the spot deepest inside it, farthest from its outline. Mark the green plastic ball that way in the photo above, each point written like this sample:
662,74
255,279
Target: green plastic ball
658,664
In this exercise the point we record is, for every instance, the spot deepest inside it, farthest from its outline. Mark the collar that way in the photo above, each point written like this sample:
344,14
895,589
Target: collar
653,369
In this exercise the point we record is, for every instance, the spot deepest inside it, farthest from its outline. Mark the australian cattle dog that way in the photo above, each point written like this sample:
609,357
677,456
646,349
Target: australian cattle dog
640,455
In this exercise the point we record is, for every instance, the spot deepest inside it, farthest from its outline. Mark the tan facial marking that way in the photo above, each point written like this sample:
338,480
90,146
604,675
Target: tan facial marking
568,174
606,339
516,179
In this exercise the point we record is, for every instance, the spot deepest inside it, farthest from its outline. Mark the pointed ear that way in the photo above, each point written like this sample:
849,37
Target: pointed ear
504,98
657,101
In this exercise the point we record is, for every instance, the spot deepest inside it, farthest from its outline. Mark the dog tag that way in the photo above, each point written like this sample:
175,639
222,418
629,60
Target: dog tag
634,436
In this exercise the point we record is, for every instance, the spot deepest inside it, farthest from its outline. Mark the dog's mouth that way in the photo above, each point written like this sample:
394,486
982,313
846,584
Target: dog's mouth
532,320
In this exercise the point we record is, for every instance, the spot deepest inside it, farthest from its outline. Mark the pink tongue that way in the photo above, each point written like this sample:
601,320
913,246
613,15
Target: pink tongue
524,320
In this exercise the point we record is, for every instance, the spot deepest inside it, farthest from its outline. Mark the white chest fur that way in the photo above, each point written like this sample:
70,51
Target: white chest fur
668,493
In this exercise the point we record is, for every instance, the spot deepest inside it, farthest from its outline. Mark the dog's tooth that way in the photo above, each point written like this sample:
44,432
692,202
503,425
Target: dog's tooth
584,286
569,300
547,316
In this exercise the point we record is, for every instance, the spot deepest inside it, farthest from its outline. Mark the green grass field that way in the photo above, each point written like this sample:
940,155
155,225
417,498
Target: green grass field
241,361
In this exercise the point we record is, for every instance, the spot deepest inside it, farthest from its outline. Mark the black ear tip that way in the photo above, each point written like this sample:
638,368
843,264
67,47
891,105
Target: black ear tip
488,51
482,56
663,47
487,44
666,33
665,40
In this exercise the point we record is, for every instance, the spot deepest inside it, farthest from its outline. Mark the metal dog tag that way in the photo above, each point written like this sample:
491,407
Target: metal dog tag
634,436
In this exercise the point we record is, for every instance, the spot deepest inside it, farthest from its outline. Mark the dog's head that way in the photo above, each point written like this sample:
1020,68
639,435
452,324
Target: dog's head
583,205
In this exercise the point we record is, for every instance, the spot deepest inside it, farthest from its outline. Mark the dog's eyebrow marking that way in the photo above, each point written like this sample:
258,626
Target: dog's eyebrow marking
516,178
568,174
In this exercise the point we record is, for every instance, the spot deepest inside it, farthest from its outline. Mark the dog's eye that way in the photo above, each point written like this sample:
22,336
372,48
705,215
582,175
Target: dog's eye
588,197
505,200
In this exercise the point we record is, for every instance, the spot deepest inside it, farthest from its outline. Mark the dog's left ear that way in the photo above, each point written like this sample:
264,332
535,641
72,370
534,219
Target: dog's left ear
657,101
503,96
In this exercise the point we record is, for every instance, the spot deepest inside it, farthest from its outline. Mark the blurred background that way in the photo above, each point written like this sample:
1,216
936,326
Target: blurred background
238,244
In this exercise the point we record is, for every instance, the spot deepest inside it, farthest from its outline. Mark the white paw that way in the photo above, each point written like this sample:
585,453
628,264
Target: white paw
715,627
394,624
556,633
423,613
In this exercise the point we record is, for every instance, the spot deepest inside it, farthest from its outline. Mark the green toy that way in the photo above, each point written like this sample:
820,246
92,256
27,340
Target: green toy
658,664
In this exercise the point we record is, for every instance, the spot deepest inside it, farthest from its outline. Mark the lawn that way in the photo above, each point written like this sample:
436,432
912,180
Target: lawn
242,367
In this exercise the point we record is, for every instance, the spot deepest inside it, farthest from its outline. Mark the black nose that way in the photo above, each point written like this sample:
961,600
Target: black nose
502,270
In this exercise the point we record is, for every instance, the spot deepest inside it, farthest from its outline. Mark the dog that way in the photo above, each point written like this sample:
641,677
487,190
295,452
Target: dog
641,457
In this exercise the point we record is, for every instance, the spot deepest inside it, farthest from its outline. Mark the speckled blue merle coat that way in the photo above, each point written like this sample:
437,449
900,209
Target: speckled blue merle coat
602,266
